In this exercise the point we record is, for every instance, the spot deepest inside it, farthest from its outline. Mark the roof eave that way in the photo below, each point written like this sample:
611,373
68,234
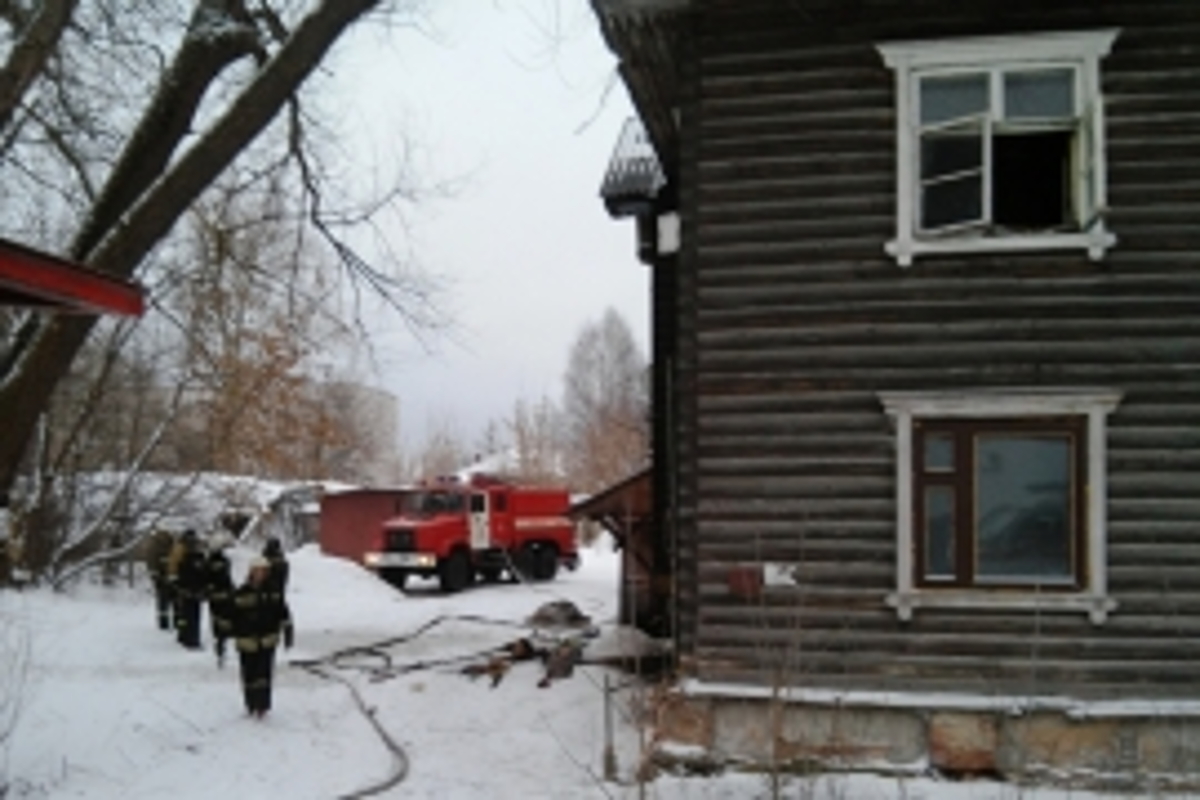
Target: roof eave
644,35
39,280
628,8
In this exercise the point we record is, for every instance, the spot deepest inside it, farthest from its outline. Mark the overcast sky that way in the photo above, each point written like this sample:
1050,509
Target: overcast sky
525,246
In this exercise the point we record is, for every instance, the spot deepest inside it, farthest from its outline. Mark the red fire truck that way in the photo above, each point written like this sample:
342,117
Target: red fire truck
485,527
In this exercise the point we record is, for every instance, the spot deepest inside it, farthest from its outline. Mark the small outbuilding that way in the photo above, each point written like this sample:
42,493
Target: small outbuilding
626,511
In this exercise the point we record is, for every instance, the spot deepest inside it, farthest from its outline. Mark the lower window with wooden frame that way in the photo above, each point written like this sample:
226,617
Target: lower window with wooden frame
998,503
1001,498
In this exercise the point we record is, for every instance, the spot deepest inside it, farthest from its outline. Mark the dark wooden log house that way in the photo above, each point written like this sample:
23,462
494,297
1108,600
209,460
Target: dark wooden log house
927,358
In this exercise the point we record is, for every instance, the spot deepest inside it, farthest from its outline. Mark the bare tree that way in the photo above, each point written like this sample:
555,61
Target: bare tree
605,404
537,433
492,441
250,340
37,32
232,70
443,451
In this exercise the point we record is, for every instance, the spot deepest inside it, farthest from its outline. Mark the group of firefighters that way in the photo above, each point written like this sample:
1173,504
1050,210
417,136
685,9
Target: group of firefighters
188,573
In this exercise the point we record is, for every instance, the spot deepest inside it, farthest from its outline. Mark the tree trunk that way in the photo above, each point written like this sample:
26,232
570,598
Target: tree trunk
47,354
201,58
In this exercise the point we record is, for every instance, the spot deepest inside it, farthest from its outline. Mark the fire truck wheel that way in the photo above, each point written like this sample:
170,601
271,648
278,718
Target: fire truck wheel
545,565
524,562
455,572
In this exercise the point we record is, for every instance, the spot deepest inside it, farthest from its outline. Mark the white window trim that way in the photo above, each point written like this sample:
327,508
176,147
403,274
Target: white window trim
1095,404
1084,48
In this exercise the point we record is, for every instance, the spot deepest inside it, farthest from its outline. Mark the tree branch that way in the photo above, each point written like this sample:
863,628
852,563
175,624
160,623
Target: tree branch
58,141
388,288
114,502
215,39
40,365
31,52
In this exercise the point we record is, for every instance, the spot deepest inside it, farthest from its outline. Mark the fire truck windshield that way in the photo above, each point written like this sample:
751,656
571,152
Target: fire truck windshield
429,503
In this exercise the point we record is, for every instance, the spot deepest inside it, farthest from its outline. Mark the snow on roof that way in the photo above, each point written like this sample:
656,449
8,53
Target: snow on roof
180,501
502,463
350,488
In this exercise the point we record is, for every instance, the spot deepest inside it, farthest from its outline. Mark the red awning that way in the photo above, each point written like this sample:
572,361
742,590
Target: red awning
32,279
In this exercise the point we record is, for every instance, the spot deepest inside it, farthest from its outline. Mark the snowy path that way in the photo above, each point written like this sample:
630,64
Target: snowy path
112,709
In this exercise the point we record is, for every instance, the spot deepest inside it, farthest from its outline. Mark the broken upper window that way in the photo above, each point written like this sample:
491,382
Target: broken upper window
1000,144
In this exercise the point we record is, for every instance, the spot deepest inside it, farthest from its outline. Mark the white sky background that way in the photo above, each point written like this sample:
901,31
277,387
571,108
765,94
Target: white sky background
525,247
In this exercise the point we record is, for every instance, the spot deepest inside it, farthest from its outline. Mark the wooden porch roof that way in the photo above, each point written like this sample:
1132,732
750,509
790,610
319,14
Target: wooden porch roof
644,35
630,499
33,279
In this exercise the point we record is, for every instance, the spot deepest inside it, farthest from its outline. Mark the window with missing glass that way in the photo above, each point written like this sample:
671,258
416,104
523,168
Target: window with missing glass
999,503
1000,144
998,151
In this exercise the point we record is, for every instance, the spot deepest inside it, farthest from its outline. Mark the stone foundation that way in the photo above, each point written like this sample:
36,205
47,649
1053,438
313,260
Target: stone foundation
1052,747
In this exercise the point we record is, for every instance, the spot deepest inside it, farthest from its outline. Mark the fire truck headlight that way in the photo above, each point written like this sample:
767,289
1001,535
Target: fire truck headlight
371,559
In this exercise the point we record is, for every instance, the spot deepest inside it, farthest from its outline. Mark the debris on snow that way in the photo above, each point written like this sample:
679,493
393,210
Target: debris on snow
495,668
559,614
561,661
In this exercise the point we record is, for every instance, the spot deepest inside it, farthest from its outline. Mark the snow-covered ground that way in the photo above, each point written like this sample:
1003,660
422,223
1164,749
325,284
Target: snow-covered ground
111,707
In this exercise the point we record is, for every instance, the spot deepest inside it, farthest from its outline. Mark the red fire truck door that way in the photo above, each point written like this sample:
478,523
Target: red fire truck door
481,531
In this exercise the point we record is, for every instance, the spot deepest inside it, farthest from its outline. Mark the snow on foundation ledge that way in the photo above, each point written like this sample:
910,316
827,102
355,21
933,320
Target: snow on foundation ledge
687,757
625,641
1009,704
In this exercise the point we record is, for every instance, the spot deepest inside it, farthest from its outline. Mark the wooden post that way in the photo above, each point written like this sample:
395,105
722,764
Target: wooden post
610,755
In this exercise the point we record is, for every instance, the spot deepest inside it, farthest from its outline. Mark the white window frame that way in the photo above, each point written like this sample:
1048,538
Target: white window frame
1094,404
1079,50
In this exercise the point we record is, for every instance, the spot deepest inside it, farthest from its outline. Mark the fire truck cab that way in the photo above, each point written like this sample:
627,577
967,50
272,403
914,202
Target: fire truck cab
461,531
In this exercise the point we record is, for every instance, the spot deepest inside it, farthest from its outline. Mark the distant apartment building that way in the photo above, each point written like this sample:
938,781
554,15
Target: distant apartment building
374,415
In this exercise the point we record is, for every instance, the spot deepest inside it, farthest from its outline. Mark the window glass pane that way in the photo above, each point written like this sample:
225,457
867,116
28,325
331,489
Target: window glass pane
950,152
1023,508
939,452
952,202
939,532
953,97
1047,94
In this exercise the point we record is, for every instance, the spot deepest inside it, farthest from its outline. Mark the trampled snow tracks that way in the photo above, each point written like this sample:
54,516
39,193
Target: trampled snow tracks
399,757
327,667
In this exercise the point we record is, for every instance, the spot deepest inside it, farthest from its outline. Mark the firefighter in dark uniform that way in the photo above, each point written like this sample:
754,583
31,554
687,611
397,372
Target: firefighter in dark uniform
188,584
278,579
260,618
218,590
158,553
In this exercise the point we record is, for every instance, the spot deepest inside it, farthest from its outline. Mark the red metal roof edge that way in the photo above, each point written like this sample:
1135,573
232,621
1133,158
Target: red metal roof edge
45,278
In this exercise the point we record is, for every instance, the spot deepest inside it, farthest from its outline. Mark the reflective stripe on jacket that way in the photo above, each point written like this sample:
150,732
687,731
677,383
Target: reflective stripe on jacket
259,617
